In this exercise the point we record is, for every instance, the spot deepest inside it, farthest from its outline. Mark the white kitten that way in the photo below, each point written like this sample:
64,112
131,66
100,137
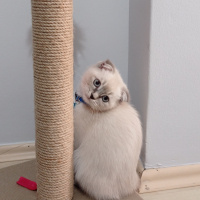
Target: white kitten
108,135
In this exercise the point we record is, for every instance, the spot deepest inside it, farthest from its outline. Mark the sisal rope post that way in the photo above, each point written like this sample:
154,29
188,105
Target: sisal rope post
53,84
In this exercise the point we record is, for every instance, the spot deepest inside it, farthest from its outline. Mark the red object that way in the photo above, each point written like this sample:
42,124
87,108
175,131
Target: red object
31,185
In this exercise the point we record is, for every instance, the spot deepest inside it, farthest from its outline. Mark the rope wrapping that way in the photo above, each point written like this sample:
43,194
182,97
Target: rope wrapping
53,85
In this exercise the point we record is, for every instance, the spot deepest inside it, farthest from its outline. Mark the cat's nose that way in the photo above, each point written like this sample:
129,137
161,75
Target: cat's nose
91,96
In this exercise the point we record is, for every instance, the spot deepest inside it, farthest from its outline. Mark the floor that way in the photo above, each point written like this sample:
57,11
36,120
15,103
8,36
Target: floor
191,193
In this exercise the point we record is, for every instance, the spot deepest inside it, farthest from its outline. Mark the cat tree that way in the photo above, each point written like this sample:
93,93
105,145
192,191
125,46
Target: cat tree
53,83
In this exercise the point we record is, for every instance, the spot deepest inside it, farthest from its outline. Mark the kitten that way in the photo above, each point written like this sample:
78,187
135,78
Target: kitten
108,135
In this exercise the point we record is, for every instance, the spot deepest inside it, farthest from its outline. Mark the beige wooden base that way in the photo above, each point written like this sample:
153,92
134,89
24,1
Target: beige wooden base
17,152
170,178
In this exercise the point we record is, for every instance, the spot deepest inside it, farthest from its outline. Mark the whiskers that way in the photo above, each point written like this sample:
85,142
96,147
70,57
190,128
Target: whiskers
96,105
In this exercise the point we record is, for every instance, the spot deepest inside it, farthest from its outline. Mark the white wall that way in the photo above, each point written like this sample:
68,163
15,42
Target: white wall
101,32
160,44
16,74
173,127
173,104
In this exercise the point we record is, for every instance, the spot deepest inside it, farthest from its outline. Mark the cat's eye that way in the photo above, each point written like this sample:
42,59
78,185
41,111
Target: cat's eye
96,83
105,98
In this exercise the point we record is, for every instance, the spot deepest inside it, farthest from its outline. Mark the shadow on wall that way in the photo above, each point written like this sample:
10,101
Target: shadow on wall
29,41
79,53
138,73
78,45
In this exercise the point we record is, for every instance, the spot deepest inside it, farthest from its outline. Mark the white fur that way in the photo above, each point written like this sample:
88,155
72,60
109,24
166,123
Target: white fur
108,138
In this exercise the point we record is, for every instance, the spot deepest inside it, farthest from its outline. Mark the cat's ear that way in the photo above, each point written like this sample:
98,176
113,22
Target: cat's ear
107,65
125,96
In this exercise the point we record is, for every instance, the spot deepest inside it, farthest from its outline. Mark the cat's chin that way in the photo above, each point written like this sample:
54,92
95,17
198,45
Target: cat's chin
93,108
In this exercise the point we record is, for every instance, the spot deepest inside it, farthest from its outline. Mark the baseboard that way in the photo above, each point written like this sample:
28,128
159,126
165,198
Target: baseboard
153,180
17,152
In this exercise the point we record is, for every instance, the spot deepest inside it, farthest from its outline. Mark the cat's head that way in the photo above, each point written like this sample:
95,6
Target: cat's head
102,87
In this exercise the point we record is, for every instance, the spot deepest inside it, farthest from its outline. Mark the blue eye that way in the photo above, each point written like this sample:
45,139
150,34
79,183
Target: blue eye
96,83
105,98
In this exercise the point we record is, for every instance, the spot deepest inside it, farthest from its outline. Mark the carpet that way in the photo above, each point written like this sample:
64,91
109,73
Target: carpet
9,190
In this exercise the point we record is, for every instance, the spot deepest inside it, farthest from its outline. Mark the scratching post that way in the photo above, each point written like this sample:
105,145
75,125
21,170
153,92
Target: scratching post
53,82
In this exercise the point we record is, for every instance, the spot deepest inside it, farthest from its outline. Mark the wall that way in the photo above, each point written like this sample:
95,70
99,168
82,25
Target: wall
16,74
158,57
100,32
173,127
173,105
138,70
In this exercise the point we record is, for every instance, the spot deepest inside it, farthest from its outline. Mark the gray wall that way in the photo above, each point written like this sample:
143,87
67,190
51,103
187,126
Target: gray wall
16,74
156,48
173,127
138,71
164,77
100,32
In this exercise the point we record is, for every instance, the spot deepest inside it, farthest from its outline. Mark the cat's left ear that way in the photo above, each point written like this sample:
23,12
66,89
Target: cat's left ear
107,65
125,96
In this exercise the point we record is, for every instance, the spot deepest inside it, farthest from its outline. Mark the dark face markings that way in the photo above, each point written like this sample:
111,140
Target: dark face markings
102,90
